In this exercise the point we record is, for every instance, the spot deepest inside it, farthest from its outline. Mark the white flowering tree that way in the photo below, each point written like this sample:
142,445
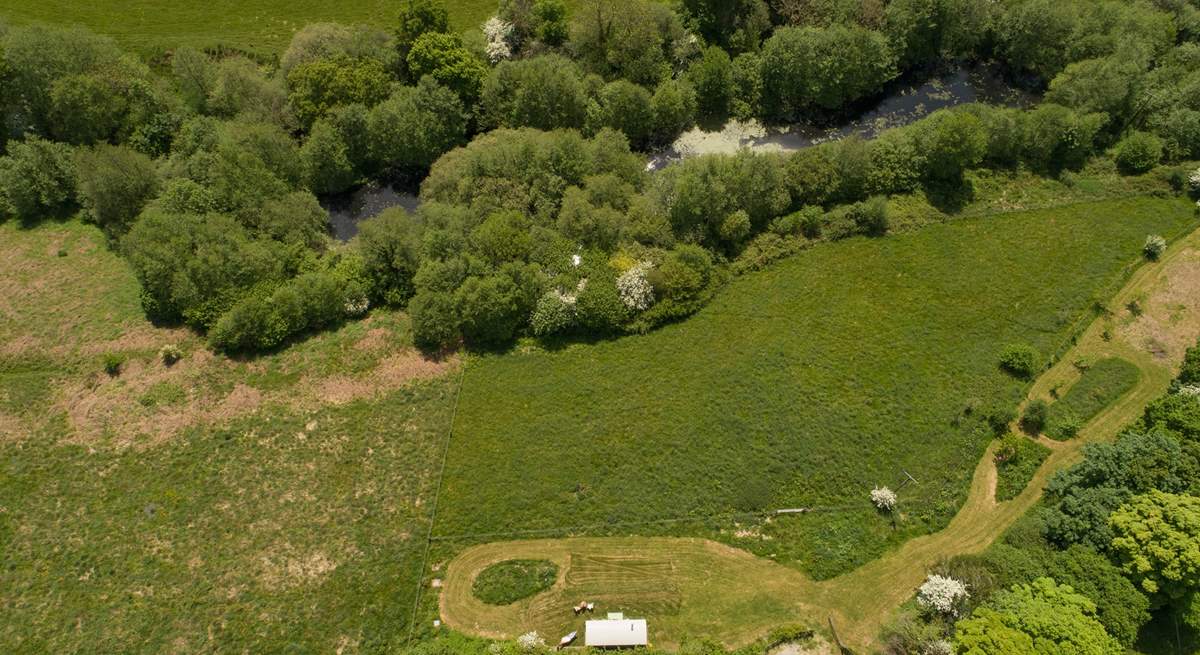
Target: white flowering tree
938,647
1194,181
942,594
884,498
634,289
497,33
531,641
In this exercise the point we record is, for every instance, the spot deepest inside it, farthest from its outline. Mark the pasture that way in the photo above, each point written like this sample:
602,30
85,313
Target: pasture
1098,386
211,505
804,385
263,27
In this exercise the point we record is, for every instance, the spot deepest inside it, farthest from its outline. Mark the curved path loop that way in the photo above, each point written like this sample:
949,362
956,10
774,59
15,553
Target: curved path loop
700,587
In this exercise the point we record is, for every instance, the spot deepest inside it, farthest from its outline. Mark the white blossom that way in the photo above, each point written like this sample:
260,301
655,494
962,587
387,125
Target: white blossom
531,641
1194,180
883,498
1189,390
357,305
497,31
634,289
942,594
938,647
1155,245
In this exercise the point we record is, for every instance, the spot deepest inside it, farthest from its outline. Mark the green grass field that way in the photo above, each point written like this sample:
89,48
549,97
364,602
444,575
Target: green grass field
271,505
804,385
1013,476
1100,384
260,26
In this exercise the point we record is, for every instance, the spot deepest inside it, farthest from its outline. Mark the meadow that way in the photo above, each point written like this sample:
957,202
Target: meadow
278,504
262,27
804,385
1099,385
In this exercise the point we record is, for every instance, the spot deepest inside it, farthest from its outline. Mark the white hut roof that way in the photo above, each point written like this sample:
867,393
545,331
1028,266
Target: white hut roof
615,632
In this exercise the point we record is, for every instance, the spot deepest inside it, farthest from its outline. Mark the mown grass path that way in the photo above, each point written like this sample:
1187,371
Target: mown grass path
736,597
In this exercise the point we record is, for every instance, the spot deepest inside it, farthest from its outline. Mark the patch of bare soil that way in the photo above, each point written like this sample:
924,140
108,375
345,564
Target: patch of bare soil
390,374
815,646
104,408
1164,320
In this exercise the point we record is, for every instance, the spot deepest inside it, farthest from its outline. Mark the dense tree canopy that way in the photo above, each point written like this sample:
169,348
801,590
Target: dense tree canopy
1042,618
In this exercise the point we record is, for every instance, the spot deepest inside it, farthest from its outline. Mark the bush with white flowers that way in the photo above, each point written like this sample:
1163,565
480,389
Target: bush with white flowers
635,290
942,594
884,498
497,32
1155,245
1194,181
531,641
938,647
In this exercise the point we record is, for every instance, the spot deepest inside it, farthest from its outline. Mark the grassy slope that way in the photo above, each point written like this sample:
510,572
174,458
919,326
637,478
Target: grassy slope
263,26
293,522
803,385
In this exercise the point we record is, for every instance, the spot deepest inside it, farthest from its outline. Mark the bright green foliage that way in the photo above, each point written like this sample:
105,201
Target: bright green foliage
674,107
706,190
1057,138
507,582
115,182
527,170
1156,540
698,426
1098,85
418,17
415,126
1039,619
951,142
625,107
317,86
1139,152
435,320
261,321
37,178
544,92
241,89
1081,498
1100,385
1022,360
443,57
489,310
814,68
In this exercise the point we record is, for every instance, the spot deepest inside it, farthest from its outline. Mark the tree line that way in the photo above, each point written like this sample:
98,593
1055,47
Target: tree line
538,215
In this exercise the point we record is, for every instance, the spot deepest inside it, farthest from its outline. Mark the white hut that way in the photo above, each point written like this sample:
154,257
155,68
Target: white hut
615,632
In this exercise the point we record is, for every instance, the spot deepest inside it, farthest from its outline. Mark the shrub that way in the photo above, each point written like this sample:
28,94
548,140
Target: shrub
634,289
1033,420
415,126
712,77
1009,450
883,498
600,307
796,64
871,215
554,314
1066,426
390,245
113,363
1020,360
1154,247
1139,152
434,320
998,417
114,184
942,595
170,353
37,179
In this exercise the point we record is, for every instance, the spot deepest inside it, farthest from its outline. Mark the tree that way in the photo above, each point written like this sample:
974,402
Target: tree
1156,540
624,106
434,320
951,142
443,57
1039,619
1139,152
736,23
194,77
822,68
317,86
489,310
550,22
1081,498
37,179
712,77
544,92
241,89
390,245
417,18
1022,360
625,38
115,182
674,108
326,160
413,127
